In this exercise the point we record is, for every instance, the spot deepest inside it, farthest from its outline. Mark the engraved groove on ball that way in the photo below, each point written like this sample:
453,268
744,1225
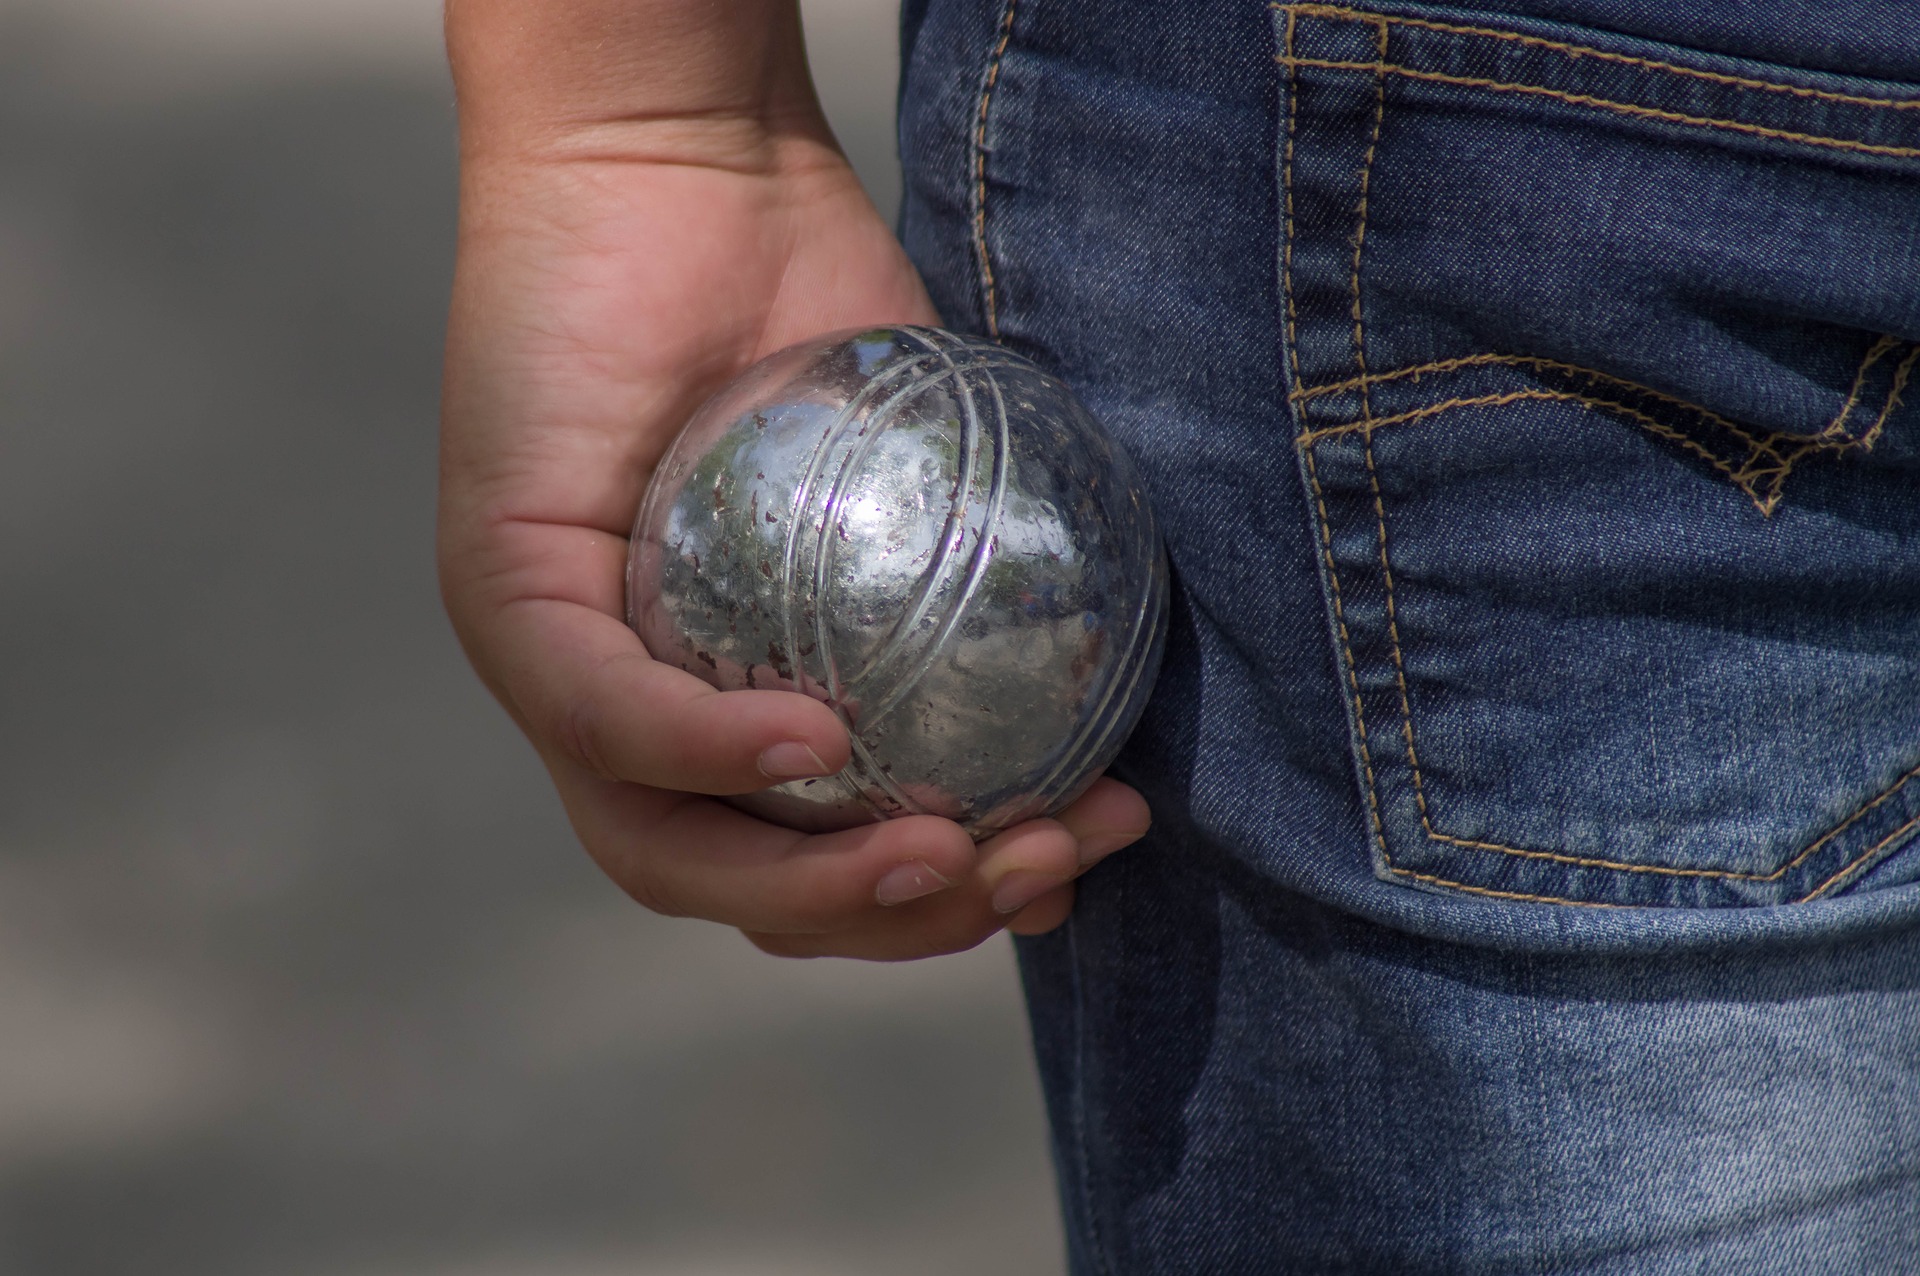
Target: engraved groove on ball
810,530
976,566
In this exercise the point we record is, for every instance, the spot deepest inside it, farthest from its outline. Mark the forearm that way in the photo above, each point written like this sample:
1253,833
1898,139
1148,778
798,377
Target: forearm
705,81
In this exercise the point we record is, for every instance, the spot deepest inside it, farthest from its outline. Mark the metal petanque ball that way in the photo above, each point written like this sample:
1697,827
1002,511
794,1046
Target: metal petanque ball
930,535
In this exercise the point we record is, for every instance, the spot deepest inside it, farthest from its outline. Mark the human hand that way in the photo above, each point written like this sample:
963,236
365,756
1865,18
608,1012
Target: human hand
627,244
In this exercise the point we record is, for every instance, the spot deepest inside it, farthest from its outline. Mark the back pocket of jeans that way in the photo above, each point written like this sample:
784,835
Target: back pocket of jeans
1600,355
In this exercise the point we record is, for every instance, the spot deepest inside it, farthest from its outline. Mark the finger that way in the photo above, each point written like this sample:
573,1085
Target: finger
691,857
1045,913
1108,816
879,943
1025,862
1034,860
587,688
538,606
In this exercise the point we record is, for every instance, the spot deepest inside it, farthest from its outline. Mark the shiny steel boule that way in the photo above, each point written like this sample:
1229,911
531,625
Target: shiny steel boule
930,535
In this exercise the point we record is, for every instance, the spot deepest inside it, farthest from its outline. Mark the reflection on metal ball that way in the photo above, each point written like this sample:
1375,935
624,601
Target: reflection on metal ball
929,534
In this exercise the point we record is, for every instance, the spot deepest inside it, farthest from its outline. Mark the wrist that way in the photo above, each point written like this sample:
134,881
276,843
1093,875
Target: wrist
667,81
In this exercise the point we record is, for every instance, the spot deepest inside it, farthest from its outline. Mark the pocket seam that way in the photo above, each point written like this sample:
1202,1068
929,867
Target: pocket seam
1770,459
1762,474
1883,346
1829,440
1419,787
990,79
1383,23
1764,483
1604,55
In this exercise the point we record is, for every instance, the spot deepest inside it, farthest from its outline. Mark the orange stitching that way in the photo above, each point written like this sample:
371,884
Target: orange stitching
1900,376
1313,480
1475,360
1366,416
1874,352
1346,644
1406,709
1834,438
1849,822
980,171
1487,890
1581,861
1368,422
1286,250
1580,51
1607,104
1516,396
1763,483
1393,633
1774,876
1360,231
1866,855
1419,780
1477,401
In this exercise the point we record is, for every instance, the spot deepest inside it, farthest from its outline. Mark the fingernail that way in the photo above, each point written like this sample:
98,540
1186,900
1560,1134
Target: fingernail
792,760
1100,845
1020,888
909,881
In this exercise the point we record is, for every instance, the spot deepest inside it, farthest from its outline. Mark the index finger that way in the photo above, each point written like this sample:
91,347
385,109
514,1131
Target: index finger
691,857
544,631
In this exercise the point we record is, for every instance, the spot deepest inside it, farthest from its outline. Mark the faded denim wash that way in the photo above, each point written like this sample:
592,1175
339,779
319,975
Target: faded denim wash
1526,392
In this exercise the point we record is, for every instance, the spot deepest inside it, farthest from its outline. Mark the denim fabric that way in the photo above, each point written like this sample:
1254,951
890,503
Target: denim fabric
1536,770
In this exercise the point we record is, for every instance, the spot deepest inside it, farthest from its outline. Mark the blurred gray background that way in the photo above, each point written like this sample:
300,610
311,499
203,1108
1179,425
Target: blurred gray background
300,970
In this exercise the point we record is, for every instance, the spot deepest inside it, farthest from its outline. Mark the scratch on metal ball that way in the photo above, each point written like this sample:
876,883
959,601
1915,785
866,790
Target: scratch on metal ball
930,535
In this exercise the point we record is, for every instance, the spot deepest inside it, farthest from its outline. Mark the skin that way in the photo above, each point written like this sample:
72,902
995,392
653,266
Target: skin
651,201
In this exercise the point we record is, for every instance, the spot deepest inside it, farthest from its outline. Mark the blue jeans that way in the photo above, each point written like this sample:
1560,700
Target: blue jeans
1529,395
